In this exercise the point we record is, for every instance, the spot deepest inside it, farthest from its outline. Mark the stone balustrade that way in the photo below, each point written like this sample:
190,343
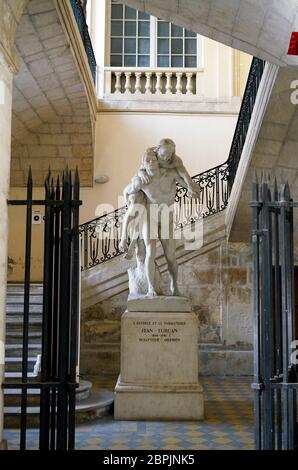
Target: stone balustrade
133,82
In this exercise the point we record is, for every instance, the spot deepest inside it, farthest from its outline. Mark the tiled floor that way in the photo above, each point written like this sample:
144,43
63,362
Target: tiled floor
228,424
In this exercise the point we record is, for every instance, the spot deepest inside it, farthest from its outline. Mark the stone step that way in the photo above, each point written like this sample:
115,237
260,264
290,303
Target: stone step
13,376
18,298
12,396
14,364
18,320
16,349
17,327
97,405
16,336
18,308
35,289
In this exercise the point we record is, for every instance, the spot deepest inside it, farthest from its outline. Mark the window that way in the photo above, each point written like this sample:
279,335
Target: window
130,37
138,40
176,47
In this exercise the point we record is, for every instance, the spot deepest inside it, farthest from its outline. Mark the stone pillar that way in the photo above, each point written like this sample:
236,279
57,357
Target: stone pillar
5,144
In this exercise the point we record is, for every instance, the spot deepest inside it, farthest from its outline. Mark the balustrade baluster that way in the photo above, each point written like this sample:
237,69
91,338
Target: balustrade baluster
159,83
118,82
138,89
169,90
127,83
189,85
179,83
148,86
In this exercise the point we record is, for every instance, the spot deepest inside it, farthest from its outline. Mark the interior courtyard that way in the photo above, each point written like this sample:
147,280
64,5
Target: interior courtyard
85,88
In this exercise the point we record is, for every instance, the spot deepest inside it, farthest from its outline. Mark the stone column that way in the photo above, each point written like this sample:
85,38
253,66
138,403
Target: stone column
5,144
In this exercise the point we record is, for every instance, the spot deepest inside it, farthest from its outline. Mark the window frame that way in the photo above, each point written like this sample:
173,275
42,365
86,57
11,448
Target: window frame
153,40
136,37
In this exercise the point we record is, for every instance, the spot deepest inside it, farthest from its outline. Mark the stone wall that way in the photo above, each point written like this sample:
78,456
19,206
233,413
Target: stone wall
219,284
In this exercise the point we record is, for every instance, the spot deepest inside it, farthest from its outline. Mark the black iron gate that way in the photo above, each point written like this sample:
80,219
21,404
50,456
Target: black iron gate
57,382
275,360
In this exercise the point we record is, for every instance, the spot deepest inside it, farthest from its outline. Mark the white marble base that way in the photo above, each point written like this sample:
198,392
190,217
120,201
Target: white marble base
158,402
159,362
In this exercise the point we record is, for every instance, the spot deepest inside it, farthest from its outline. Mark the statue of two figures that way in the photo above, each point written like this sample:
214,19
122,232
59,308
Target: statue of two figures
150,198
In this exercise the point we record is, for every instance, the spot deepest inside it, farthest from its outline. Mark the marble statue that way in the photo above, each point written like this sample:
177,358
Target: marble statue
149,196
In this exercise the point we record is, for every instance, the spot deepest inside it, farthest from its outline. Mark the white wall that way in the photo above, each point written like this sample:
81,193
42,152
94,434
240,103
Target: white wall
202,141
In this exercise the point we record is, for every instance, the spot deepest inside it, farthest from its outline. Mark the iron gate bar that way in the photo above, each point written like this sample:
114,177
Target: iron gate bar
26,312
266,314
277,325
74,311
258,386
54,370
284,269
63,318
46,323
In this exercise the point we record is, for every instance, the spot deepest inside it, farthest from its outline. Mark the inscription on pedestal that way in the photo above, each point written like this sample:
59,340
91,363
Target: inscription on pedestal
158,331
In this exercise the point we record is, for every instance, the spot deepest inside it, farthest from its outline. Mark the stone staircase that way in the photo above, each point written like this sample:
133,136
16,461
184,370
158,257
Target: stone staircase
92,402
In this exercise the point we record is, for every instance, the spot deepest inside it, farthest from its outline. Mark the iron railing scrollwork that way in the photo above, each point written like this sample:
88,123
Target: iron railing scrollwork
100,237
80,17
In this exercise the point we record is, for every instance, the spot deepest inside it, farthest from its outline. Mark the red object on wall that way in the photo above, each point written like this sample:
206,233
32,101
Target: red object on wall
293,47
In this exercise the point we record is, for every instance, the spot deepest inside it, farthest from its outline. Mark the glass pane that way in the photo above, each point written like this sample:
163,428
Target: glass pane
190,46
144,28
130,13
177,61
177,31
143,61
190,34
144,46
191,61
143,16
116,61
177,46
130,60
163,46
130,46
117,28
163,29
163,61
117,12
116,46
130,28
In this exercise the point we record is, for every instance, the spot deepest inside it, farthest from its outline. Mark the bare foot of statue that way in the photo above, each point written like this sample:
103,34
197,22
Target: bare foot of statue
152,293
175,291
123,245
130,250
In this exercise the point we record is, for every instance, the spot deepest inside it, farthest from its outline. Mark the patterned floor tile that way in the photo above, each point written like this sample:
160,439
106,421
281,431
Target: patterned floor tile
228,425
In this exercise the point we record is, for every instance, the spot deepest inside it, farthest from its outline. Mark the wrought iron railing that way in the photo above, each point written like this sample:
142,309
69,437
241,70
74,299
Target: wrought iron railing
100,237
246,110
83,28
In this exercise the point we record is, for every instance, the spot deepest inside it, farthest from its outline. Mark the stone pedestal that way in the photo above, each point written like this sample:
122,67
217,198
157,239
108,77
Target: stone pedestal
159,362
